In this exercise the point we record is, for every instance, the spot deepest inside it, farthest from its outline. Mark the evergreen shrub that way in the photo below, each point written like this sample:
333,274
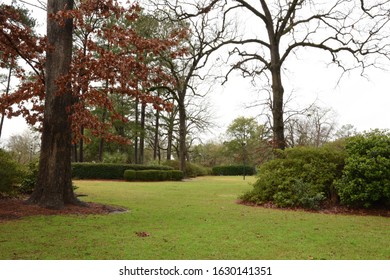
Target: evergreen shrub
130,175
366,177
150,175
177,175
298,177
10,173
234,170
30,178
108,170
193,170
153,175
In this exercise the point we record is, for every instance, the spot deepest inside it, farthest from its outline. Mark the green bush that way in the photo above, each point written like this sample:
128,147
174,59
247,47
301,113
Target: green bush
366,176
177,175
130,175
29,180
193,170
299,194
299,177
234,170
10,173
153,175
150,175
108,170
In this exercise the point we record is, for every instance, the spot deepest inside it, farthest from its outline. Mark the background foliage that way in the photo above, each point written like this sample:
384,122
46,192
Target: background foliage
10,173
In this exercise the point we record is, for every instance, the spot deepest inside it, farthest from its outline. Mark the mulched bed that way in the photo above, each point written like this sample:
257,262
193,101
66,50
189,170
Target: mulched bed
334,210
11,209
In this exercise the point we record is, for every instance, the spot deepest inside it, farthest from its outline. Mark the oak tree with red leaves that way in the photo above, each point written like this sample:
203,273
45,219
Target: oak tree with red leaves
54,186
113,62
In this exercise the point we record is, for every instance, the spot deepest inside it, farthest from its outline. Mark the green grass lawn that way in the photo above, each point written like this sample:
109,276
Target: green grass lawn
196,219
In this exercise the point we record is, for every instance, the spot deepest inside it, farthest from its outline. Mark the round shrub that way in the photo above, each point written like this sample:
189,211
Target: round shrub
299,177
149,175
366,176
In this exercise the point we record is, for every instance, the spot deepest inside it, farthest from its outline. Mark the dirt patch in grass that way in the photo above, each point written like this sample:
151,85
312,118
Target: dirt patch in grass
11,209
328,210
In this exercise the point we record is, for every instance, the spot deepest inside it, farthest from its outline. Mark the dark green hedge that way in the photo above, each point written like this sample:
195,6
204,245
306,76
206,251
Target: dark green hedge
193,170
108,170
153,175
234,170
177,175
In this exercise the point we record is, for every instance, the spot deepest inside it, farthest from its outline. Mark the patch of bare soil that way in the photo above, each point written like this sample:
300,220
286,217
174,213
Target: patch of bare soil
11,209
334,210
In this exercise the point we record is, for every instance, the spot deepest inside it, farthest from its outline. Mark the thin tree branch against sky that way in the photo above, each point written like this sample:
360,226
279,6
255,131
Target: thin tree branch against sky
41,5
361,101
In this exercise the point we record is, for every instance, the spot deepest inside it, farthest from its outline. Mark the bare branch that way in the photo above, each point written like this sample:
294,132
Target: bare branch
42,6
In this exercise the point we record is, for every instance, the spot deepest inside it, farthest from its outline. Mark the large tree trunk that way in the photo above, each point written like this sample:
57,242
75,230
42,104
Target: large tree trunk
279,141
277,110
54,185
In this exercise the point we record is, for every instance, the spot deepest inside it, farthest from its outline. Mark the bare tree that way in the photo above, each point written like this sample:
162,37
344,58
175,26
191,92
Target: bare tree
209,31
345,131
314,128
349,31
24,147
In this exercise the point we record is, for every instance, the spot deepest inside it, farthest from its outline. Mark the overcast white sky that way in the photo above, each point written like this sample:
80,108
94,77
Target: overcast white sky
361,102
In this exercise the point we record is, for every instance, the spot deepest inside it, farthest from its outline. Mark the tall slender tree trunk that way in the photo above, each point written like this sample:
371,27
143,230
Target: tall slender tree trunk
182,133
103,119
156,146
81,145
54,185
6,95
169,142
142,135
136,131
171,126
75,152
82,73
101,141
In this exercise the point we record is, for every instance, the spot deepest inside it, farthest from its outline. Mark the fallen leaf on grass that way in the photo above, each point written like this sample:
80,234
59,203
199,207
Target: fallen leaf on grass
142,234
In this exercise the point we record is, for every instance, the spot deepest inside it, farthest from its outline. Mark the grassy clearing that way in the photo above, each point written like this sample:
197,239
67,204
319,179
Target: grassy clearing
197,219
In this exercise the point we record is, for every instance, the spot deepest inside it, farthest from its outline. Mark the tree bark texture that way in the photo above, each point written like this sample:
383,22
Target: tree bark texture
156,146
182,133
54,185
142,135
277,109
